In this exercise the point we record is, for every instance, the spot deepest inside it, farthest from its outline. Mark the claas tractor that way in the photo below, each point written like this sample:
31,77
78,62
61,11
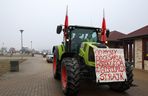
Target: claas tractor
82,56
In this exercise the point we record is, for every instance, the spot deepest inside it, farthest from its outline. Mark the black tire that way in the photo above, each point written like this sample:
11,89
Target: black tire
123,86
56,69
72,76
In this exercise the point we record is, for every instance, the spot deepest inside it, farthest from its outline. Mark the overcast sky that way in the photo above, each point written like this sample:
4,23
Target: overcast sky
39,18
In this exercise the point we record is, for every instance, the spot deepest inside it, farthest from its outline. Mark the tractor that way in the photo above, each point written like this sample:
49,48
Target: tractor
74,60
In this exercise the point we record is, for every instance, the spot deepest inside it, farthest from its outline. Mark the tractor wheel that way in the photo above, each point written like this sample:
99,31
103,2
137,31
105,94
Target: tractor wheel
56,70
122,86
70,76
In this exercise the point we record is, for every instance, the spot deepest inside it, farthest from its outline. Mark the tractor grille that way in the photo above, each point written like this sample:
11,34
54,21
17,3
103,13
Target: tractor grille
88,73
91,56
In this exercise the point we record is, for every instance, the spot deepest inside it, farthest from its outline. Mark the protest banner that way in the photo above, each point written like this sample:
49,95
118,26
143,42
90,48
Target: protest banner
109,65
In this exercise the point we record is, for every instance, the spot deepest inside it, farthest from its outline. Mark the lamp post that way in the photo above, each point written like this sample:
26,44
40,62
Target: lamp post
21,40
32,53
31,45
22,43
3,48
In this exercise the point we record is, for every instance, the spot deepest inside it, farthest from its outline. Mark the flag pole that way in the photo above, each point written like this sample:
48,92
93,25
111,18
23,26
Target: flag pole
103,13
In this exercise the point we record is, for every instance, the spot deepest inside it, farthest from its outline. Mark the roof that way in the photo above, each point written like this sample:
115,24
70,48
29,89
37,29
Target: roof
138,33
115,36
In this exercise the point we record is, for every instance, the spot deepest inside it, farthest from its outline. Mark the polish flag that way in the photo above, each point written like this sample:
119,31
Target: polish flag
103,32
66,23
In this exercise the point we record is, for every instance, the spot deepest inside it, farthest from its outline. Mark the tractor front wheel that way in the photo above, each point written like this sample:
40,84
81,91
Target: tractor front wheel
70,76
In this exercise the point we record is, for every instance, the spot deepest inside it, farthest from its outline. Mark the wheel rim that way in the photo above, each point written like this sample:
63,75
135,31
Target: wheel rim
64,77
54,64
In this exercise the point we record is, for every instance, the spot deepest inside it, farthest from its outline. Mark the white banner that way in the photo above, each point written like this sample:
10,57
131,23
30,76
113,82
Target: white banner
109,65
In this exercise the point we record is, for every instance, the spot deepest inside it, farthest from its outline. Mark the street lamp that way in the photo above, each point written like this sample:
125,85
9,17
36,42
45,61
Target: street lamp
31,45
31,49
21,40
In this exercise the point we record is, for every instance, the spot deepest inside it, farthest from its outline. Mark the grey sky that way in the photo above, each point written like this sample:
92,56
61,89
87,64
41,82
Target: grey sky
39,18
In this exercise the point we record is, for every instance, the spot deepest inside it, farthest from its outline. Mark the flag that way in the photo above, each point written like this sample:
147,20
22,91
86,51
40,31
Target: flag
66,23
103,32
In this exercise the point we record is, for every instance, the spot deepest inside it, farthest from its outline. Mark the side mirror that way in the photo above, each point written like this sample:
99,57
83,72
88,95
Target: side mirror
107,33
59,29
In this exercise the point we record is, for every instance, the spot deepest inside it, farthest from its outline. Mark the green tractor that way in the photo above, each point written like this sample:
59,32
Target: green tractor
74,59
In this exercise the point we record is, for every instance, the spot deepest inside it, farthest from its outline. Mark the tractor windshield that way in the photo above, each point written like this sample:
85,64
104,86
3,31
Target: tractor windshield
80,35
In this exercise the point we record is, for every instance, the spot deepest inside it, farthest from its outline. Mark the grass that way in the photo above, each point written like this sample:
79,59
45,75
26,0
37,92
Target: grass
5,64
7,61
16,55
4,61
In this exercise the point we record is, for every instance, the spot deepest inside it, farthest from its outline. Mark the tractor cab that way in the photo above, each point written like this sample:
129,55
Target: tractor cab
75,35
79,34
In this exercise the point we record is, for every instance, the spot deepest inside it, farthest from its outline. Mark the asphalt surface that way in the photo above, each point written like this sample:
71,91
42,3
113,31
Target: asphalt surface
35,78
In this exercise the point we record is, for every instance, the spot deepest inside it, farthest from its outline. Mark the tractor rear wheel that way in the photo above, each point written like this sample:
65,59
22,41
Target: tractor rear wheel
122,86
56,70
70,76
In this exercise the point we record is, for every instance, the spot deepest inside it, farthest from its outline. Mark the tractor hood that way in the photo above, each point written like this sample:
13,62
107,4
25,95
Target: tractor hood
87,52
106,61
95,44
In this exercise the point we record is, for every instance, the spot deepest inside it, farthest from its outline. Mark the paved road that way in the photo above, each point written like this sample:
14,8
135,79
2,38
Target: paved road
35,78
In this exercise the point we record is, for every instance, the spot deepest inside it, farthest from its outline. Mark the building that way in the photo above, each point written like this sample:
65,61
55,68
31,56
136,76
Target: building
135,46
114,39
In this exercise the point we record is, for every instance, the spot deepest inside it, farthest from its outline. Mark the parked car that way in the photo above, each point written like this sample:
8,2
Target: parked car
44,54
49,58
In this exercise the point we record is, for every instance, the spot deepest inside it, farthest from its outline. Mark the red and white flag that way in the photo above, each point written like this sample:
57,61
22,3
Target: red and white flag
103,32
66,22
